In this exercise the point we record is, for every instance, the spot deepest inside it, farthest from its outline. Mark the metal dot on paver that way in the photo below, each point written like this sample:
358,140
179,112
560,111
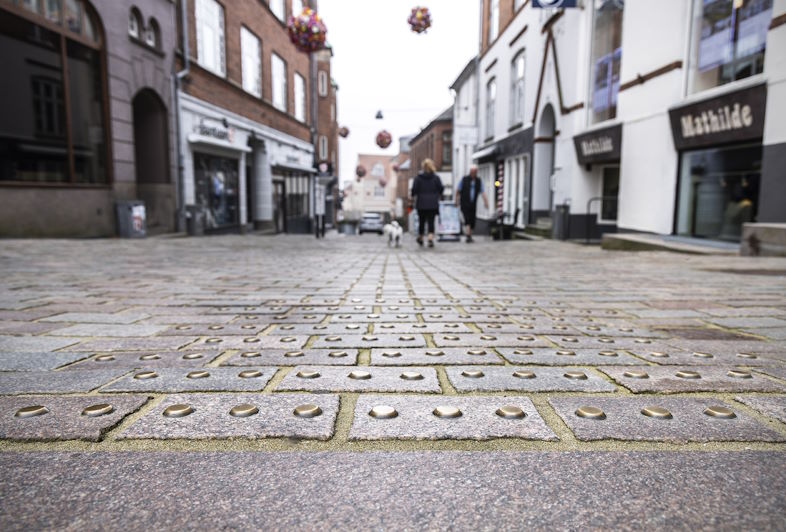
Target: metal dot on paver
422,326
524,374
577,375
525,338
183,328
688,374
435,315
149,357
97,410
642,341
412,376
593,328
740,374
251,354
352,327
434,353
320,327
606,340
487,337
372,316
216,327
522,352
656,412
279,317
338,354
244,410
255,340
250,374
294,354
344,316
565,352
287,327
31,411
144,375
747,355
104,358
451,338
251,317
570,340
359,375
472,373
510,412
332,338
356,300
307,374
608,353
286,339
703,355
564,328
387,326
179,410
447,412
590,412
213,341
310,317
391,354
406,338
192,356
493,326
307,410
370,338
636,375
201,374
464,316
476,352
383,412
526,326
402,316
720,412
393,307
658,354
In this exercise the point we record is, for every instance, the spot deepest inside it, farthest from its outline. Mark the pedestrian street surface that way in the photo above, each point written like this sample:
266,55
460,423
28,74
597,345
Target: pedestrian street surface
287,383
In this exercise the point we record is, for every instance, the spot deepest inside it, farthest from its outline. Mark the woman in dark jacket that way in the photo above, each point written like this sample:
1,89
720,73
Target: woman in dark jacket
427,191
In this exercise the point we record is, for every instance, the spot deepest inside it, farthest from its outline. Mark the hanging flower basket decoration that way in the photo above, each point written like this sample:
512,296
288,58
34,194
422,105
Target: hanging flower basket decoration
307,31
420,19
384,139
382,182
343,132
360,171
396,167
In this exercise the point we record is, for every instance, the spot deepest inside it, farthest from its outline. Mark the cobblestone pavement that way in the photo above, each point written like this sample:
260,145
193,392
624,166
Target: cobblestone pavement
319,379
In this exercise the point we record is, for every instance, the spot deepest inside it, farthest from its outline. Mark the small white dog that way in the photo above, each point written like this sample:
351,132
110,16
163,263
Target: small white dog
394,232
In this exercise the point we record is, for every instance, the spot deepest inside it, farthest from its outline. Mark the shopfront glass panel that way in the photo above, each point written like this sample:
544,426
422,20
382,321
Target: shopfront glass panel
217,190
87,111
718,191
611,190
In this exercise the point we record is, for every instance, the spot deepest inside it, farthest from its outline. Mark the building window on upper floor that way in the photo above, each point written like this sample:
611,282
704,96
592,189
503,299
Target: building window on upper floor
729,39
279,73
491,102
322,80
493,20
210,36
279,9
251,56
153,34
323,147
517,90
134,23
297,7
300,98
447,148
606,59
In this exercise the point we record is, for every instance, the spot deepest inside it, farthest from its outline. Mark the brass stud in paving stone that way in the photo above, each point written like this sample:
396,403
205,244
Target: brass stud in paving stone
279,317
307,374
393,308
642,341
626,329
656,412
522,352
493,326
465,316
345,316
149,357
688,375
332,308
590,412
193,356
423,326
183,328
387,326
720,412
658,354
560,328
593,328
402,316
287,327
251,317
332,338
476,352
406,338
359,375
565,352
320,327
286,339
338,354
216,327
525,338
251,308
372,316
104,358
294,354
370,338
435,315
352,327
434,353
487,337
391,354
577,375
606,340
360,307
244,410
309,317
472,373
608,353
256,340
383,412
213,341
703,355
420,308
570,340
248,327
179,410
526,326
740,374
747,355
447,412
251,354
144,375
636,375
307,410
412,376
356,300
510,412
201,374
250,374
451,337
97,410
31,411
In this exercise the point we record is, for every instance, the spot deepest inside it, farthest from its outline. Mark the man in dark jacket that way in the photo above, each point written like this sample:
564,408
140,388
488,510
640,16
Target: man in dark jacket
467,192
426,191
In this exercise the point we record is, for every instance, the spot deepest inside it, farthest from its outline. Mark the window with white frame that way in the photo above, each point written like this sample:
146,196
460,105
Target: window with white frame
153,34
279,9
300,97
279,73
517,90
322,80
606,58
210,36
251,54
493,20
297,7
134,23
491,101
323,147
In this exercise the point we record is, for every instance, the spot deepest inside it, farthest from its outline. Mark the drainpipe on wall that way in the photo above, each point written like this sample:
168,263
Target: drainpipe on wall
176,84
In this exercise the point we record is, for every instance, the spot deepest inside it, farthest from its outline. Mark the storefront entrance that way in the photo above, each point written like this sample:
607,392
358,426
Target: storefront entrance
718,191
217,190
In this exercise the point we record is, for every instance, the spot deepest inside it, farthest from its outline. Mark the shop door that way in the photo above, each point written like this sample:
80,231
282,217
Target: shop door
280,206
217,190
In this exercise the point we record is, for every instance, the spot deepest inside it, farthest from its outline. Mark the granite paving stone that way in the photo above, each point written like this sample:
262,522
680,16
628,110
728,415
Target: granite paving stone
460,317
250,379
365,379
133,344
478,420
749,322
318,329
64,418
773,406
296,318
10,361
716,347
427,356
146,359
373,317
211,418
111,330
252,341
122,318
624,420
489,340
422,328
26,327
676,379
34,343
19,382
188,319
678,357
369,340
527,327
550,356
294,357
605,342
777,372
530,379
227,329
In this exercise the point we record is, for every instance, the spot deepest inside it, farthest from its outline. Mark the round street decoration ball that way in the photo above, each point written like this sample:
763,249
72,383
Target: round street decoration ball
360,171
420,19
307,31
343,132
396,167
384,139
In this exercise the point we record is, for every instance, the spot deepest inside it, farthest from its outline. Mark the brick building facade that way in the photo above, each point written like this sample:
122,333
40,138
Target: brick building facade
435,142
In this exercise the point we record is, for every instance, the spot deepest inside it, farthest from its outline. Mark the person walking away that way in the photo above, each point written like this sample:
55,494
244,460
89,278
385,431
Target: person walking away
469,188
426,192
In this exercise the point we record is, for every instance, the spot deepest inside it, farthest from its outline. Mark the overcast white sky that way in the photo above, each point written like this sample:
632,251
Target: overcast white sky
379,64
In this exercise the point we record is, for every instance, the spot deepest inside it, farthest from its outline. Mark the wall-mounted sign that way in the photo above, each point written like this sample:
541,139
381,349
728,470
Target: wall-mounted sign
734,117
554,3
599,146
215,132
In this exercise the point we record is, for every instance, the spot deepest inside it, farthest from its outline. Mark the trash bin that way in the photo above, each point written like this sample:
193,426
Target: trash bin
195,220
131,219
560,221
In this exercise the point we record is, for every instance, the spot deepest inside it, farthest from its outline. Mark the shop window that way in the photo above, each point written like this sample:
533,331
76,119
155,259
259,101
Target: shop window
611,190
210,36
297,187
517,90
486,173
278,7
729,41
606,59
491,101
42,142
493,20
300,97
279,71
153,34
217,190
447,148
251,55
134,23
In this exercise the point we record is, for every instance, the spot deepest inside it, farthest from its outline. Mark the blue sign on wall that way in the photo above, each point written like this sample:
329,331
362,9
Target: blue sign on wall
554,3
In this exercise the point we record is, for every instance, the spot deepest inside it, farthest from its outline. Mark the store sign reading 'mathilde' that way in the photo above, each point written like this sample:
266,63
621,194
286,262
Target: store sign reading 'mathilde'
733,117
599,146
